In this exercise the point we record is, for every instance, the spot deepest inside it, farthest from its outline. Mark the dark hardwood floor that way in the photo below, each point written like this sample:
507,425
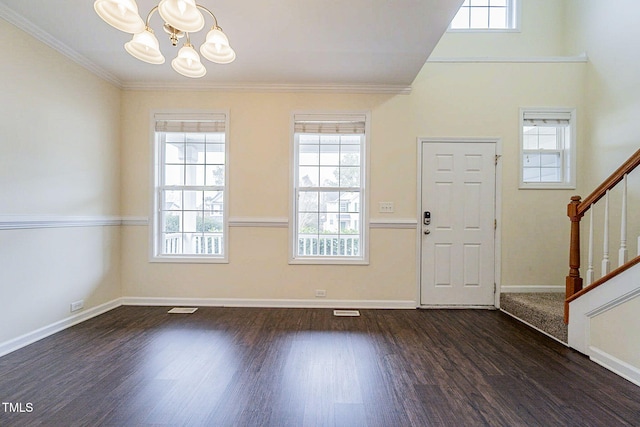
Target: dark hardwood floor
136,366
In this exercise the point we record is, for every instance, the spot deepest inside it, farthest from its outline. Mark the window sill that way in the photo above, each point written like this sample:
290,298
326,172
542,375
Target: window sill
484,30
328,261
547,187
189,260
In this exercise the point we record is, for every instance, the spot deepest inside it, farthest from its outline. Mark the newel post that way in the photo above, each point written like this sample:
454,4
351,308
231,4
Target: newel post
574,281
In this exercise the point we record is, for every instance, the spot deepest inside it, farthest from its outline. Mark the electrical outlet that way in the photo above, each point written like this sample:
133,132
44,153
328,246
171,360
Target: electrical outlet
77,305
321,293
385,207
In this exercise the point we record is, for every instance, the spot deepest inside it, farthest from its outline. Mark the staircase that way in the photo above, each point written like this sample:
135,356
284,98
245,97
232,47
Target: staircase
549,312
543,311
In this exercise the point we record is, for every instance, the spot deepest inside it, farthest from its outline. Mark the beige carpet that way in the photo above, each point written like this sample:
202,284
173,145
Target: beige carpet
545,311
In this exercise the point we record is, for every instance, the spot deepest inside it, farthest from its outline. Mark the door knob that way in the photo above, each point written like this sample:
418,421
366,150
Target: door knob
427,231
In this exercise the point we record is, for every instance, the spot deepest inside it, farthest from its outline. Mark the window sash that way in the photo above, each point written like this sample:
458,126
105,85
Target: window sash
559,168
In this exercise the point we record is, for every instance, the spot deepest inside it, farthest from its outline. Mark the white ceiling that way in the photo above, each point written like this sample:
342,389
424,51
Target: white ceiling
356,43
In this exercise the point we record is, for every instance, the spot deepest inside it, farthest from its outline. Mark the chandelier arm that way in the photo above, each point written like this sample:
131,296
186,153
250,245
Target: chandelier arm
155,8
215,20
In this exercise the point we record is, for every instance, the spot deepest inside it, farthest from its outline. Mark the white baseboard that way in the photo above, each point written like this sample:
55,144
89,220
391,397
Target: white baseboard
615,365
270,303
531,289
31,337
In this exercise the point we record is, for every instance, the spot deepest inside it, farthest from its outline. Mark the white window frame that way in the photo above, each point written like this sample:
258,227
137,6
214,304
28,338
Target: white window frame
567,151
513,23
363,221
157,171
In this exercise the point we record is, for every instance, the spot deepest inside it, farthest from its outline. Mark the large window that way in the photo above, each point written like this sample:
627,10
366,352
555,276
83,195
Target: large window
190,220
329,222
547,148
486,15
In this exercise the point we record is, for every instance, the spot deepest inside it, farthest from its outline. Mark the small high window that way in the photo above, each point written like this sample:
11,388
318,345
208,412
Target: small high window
547,149
486,15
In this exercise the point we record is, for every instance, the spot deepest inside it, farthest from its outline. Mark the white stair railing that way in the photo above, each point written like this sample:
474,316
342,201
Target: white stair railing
577,208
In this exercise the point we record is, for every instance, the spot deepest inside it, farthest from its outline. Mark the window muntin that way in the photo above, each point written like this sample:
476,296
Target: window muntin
485,15
547,149
329,181
190,221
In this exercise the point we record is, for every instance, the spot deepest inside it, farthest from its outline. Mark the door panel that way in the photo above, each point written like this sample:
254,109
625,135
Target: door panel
458,246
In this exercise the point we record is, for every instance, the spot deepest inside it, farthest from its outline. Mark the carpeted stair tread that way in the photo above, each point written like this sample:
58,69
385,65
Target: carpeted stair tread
545,311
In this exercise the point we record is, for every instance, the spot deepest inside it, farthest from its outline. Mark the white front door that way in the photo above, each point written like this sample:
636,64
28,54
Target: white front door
458,224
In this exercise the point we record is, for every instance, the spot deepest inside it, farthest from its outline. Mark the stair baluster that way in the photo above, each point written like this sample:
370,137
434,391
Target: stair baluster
590,270
605,240
622,253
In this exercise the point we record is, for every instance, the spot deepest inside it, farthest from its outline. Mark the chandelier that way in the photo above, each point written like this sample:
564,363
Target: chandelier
181,17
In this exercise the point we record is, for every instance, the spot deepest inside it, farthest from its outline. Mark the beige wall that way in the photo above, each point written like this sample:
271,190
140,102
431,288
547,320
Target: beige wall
486,105
542,34
59,138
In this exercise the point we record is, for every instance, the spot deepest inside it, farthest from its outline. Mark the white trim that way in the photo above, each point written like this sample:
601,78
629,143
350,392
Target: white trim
400,223
618,290
276,222
12,222
497,211
532,289
484,30
30,28
268,87
31,337
615,365
522,60
270,303
15,222
135,221
456,307
614,303
535,327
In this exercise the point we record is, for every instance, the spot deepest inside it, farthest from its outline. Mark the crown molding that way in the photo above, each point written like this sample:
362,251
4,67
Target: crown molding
30,28
269,87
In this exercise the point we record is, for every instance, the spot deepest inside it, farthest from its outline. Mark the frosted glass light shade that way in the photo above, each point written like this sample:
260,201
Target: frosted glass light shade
145,47
216,48
120,14
181,14
188,63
